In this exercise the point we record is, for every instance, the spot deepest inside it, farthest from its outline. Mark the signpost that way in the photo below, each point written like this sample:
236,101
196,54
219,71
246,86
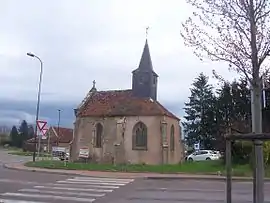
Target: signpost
84,153
42,127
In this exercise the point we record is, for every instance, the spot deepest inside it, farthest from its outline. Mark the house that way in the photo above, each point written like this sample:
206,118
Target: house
61,137
128,126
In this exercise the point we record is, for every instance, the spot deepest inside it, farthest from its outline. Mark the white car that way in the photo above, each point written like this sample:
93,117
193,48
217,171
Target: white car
203,155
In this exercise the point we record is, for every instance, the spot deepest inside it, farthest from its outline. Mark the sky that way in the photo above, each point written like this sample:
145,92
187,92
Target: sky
82,41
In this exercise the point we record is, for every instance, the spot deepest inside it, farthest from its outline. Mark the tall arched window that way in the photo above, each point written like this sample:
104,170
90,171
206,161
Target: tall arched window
99,132
139,137
172,138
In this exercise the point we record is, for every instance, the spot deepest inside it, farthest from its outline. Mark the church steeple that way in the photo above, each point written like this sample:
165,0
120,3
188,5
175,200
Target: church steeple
144,80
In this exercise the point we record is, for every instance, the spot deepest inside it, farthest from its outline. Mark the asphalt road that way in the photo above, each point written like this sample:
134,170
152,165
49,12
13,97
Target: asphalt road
27,187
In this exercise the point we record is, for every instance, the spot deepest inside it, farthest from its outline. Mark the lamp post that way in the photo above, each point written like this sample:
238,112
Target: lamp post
38,101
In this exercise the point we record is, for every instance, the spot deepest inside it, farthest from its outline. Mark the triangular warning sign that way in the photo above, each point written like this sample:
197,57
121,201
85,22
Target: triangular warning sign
44,131
41,125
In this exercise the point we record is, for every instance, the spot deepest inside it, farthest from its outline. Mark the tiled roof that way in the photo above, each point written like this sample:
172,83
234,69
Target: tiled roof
65,135
121,103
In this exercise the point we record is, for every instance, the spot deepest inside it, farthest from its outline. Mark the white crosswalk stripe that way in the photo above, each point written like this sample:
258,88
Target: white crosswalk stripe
77,189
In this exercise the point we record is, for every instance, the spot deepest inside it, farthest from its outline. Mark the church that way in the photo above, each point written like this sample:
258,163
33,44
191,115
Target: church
128,126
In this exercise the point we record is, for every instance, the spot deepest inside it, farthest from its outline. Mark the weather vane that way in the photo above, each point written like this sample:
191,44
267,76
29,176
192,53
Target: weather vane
146,32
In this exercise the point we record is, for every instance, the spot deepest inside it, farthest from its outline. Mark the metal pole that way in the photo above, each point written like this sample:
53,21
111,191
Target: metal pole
228,171
38,102
59,113
49,137
256,112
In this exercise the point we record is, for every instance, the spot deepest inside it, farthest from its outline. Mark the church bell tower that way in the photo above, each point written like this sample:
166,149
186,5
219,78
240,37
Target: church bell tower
144,79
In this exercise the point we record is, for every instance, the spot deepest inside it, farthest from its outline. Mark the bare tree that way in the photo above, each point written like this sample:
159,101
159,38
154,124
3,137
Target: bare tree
237,32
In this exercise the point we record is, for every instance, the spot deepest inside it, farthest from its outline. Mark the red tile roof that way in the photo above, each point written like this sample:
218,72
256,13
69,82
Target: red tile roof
121,103
65,135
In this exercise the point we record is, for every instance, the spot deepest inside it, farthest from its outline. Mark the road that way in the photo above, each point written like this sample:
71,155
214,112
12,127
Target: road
34,187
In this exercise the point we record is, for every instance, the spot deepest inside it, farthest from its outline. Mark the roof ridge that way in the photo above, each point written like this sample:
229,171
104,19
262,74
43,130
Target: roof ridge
116,90
165,109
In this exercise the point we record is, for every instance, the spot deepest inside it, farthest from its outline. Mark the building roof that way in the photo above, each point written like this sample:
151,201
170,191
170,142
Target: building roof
65,135
121,103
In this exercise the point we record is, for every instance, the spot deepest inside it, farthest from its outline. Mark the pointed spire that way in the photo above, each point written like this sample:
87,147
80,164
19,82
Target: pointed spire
146,62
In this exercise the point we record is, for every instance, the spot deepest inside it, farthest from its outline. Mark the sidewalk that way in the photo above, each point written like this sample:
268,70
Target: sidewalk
21,167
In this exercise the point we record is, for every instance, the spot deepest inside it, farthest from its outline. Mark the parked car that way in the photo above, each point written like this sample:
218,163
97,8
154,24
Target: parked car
203,155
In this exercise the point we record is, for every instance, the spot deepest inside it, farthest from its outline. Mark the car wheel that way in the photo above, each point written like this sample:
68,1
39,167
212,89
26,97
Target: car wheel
208,159
190,159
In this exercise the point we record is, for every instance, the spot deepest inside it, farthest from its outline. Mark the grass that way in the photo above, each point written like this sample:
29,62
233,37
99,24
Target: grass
22,153
204,167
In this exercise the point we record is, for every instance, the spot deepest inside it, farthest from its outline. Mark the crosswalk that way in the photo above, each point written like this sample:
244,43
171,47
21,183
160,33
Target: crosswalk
76,189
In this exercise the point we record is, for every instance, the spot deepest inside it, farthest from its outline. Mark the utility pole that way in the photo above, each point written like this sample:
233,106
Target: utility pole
59,115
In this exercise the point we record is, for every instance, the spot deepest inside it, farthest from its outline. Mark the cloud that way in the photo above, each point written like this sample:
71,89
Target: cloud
82,41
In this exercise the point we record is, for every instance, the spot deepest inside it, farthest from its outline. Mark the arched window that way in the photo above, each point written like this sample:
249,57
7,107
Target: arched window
99,131
172,139
139,141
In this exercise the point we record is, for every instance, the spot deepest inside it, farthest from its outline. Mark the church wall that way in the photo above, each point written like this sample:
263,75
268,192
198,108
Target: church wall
152,155
117,140
85,134
177,155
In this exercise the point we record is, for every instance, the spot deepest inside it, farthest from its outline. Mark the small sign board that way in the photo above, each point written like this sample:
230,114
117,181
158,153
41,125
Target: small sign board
43,133
84,152
197,146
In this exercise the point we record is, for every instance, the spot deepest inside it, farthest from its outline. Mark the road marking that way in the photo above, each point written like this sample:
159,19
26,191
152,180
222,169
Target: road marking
86,185
70,189
104,179
16,201
62,193
75,199
94,182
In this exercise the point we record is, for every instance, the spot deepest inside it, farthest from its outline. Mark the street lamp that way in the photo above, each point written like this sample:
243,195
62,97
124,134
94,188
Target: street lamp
38,101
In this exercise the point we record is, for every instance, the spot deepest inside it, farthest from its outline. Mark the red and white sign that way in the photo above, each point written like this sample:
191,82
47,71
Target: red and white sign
84,152
41,125
44,131
42,128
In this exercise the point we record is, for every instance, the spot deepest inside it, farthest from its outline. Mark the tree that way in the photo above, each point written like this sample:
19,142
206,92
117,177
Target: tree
14,135
23,133
31,132
199,119
237,32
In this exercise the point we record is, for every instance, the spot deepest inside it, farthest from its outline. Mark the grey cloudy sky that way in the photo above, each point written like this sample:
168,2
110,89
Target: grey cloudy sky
102,40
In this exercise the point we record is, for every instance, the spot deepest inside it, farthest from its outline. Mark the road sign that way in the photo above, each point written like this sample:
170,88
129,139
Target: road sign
44,131
197,146
41,125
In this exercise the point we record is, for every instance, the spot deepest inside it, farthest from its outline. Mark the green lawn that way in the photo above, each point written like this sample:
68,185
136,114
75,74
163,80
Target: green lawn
21,153
204,167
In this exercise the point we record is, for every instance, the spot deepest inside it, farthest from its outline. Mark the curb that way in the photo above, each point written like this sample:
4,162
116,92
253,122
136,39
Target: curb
214,178
41,171
145,177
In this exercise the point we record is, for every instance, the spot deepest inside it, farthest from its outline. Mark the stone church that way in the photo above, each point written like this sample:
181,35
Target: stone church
128,126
